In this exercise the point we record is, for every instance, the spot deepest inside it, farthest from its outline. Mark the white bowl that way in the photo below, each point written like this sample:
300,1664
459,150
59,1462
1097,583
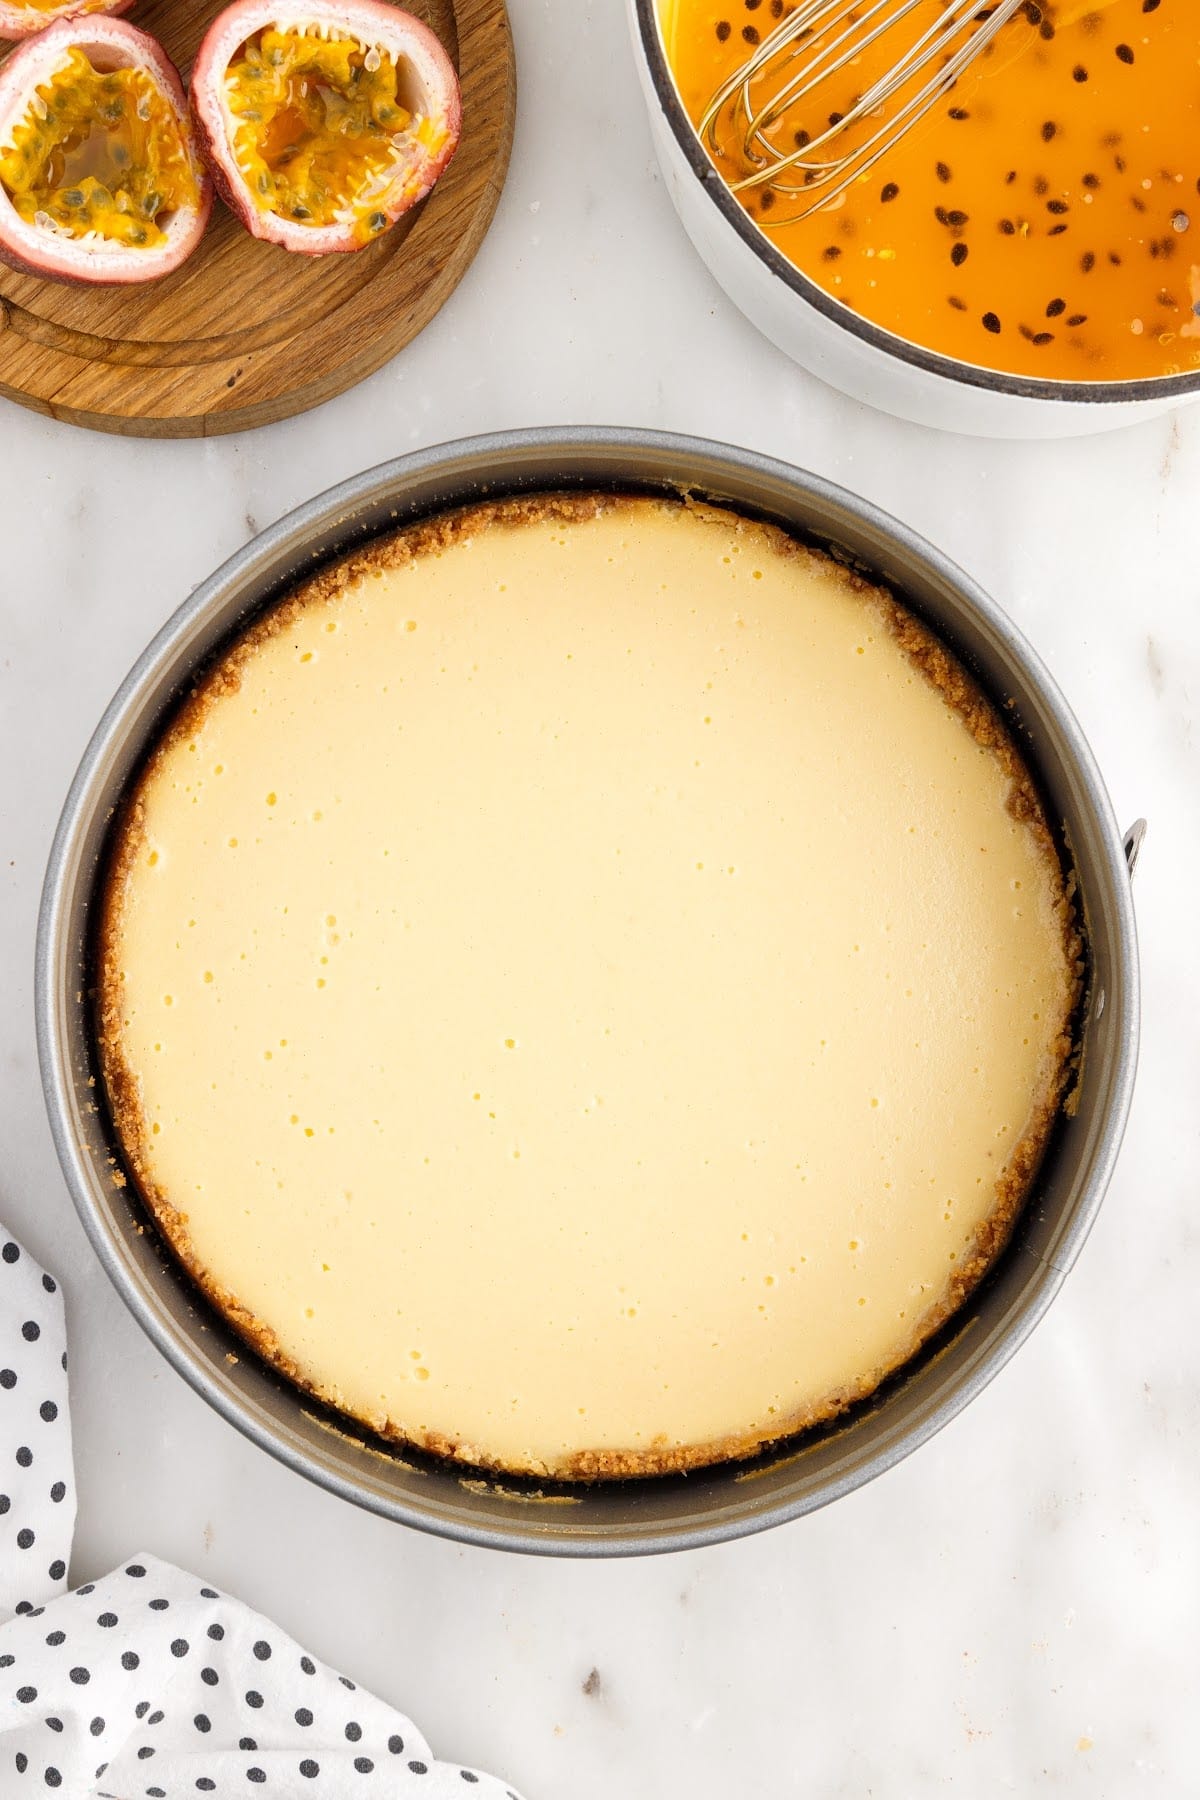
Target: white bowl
847,351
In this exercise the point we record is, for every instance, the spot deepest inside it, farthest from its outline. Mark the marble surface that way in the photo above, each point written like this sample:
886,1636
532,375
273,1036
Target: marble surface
1015,1606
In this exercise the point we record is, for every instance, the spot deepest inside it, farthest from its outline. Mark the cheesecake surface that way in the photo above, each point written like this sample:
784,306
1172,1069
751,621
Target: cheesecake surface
585,984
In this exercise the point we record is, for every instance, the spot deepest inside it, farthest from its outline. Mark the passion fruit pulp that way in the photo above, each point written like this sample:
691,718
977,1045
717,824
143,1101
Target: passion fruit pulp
321,131
100,153
99,177
21,18
317,121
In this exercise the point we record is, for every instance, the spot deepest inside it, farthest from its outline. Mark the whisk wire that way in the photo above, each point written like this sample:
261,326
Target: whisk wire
820,67
897,77
826,37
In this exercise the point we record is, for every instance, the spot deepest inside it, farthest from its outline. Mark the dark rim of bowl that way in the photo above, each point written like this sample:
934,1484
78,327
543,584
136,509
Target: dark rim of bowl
931,362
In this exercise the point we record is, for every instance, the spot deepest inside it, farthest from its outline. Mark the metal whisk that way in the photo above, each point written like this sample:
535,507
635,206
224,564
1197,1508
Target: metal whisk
790,75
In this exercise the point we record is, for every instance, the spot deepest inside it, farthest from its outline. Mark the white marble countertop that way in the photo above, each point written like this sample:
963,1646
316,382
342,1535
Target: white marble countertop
1015,1606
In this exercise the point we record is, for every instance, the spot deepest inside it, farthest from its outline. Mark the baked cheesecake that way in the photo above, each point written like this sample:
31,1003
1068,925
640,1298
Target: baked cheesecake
585,983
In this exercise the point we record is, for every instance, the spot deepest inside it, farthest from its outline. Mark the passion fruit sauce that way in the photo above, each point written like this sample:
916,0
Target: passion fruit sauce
1043,218
99,152
320,127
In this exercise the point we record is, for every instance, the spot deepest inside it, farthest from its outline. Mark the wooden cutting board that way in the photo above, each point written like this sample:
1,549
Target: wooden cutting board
245,333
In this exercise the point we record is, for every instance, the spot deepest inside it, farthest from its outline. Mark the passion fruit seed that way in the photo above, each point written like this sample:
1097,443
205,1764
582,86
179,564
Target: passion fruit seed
98,153
320,128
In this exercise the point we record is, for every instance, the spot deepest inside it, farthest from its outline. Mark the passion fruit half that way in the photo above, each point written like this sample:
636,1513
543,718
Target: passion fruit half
100,178
21,18
323,125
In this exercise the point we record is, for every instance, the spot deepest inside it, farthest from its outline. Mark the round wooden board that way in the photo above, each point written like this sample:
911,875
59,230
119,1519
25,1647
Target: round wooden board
244,333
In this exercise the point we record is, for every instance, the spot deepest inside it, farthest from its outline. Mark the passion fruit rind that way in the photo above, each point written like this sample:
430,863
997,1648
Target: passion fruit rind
322,129
18,22
100,178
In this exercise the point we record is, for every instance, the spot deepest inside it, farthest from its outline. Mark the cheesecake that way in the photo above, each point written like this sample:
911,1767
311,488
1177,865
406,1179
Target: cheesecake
585,984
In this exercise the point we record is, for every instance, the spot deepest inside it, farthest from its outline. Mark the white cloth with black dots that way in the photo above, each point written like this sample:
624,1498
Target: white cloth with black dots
147,1683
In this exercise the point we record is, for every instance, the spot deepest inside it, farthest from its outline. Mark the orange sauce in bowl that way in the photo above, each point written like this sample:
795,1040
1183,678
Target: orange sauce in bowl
1042,219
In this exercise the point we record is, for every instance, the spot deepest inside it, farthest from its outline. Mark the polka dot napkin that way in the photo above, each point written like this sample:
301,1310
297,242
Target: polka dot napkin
147,1683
